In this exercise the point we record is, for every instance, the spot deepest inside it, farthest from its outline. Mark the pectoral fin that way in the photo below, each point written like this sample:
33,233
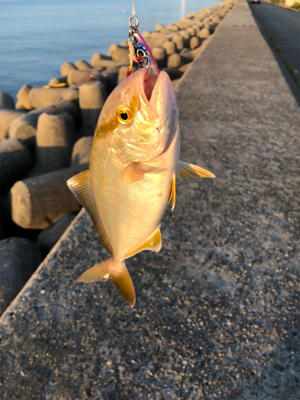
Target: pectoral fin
173,192
186,170
153,244
81,186
132,173
116,271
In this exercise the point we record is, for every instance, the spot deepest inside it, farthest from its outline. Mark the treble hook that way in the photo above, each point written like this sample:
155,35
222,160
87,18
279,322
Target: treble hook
145,57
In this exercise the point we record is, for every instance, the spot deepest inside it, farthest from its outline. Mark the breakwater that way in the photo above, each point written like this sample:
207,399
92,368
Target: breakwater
46,137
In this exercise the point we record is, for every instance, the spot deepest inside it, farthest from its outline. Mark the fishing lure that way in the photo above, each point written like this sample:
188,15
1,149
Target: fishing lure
139,50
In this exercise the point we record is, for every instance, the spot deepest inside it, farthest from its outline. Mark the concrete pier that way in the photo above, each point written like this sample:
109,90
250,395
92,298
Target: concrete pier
217,313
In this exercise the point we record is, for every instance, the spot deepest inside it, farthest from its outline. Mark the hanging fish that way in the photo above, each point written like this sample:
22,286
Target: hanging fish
133,168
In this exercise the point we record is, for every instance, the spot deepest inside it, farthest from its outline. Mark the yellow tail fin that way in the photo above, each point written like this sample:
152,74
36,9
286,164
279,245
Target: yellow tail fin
116,271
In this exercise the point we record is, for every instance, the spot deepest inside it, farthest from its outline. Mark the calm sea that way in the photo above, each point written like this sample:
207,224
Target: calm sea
38,36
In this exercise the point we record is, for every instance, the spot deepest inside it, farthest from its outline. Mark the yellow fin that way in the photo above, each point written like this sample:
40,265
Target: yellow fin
173,192
152,244
116,271
81,186
187,170
132,173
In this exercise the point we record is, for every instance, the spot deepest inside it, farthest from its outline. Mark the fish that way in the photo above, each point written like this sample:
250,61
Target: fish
133,168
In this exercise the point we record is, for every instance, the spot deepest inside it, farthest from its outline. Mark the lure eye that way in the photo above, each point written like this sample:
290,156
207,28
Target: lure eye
140,53
124,115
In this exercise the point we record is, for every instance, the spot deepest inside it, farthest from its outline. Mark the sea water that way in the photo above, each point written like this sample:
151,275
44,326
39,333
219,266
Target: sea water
38,36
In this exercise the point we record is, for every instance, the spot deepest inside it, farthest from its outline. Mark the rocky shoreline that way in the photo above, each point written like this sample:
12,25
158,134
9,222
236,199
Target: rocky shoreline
46,137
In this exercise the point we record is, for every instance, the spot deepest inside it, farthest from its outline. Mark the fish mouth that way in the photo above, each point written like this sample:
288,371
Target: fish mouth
155,89
149,84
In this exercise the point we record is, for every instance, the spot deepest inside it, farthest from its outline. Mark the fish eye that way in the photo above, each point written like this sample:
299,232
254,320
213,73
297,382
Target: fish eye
124,115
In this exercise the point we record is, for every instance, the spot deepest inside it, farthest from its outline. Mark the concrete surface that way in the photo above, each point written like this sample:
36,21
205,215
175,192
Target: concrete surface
281,27
217,313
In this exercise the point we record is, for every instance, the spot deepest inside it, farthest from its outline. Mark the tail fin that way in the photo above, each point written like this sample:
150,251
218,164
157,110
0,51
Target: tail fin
116,271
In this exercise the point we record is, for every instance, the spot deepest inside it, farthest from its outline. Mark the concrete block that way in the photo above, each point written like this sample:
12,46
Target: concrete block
6,101
110,79
192,31
82,65
146,34
66,68
19,258
195,42
181,25
71,94
124,44
186,37
55,137
123,71
58,80
81,151
41,97
19,106
79,77
159,27
176,61
173,73
179,41
203,33
6,118
118,53
39,201
108,64
23,96
170,47
15,160
49,236
160,54
190,54
92,97
173,27
97,56
24,127
159,36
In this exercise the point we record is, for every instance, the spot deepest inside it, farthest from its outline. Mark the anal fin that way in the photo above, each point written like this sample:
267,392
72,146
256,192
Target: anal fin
153,244
186,170
173,192
81,186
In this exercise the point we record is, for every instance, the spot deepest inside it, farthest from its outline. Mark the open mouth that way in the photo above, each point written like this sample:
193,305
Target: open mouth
149,84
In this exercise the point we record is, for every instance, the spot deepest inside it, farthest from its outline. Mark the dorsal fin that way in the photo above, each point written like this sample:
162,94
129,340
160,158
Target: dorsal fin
173,192
81,186
152,244
186,170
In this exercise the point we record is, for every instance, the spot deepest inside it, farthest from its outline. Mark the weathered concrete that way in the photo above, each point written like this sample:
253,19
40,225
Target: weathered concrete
217,308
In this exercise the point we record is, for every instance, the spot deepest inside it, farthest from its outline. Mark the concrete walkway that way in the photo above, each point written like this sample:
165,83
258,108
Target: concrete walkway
283,26
217,314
